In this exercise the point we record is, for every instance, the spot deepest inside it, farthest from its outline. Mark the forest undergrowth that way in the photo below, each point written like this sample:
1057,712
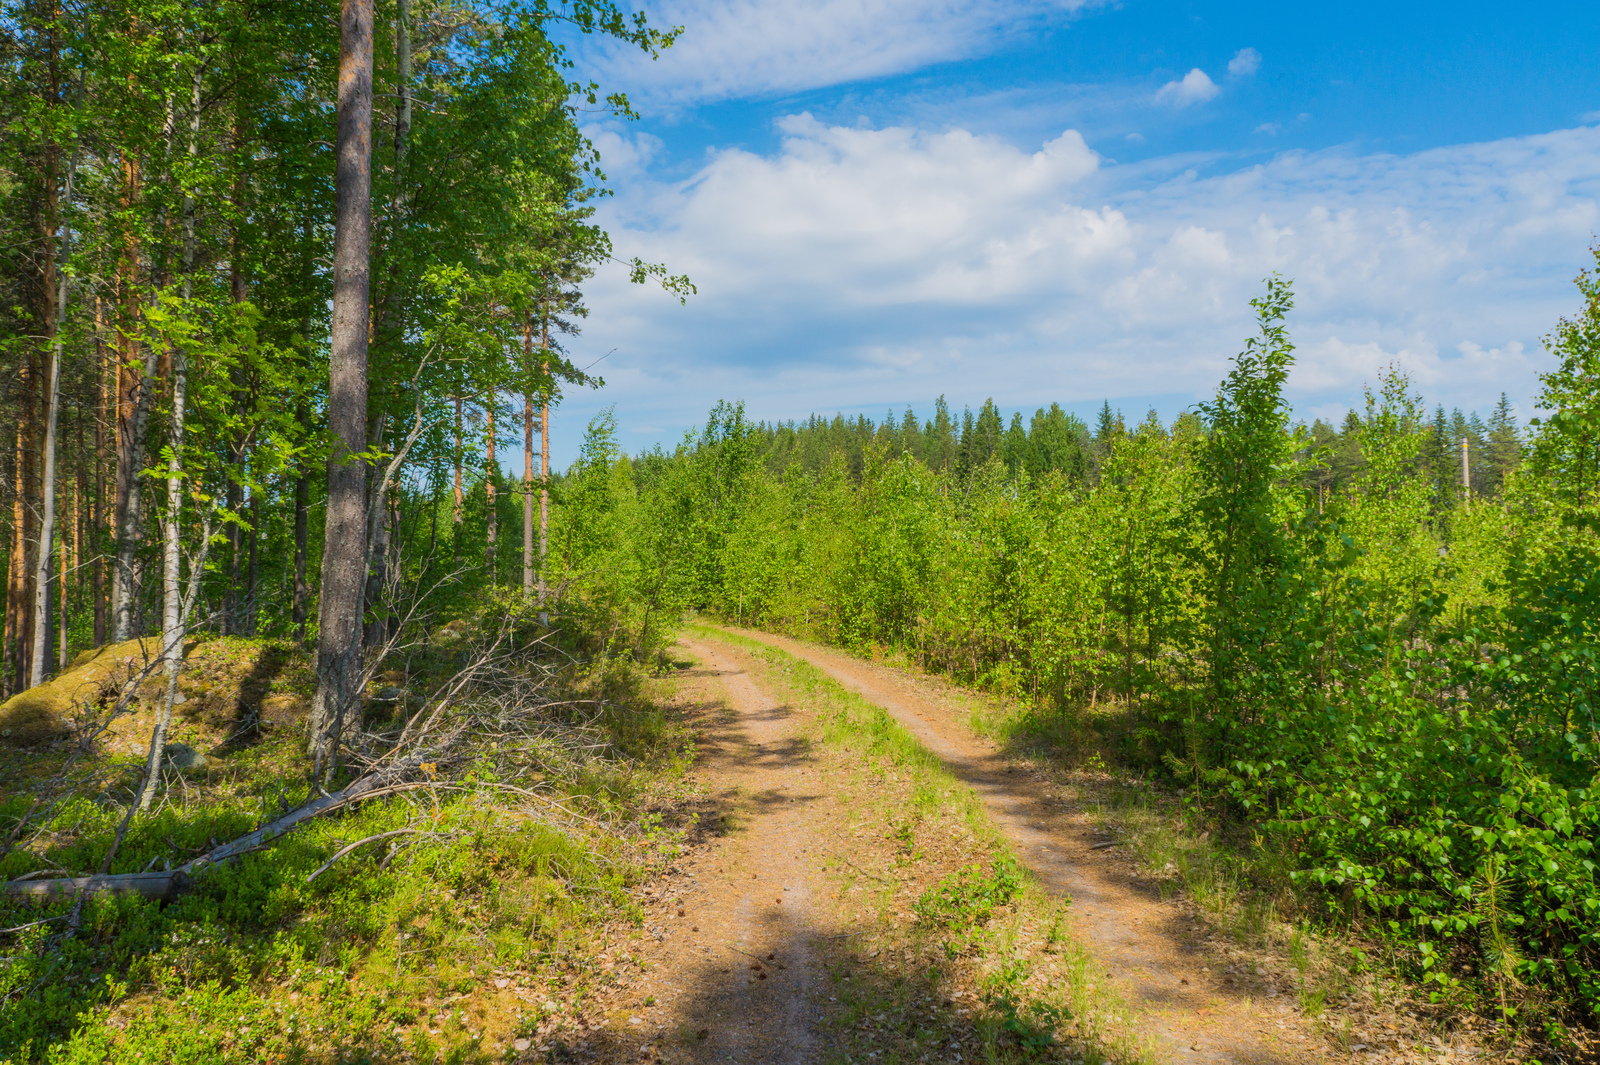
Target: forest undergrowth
540,793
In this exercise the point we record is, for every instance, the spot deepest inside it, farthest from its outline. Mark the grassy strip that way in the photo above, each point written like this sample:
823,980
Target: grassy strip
976,962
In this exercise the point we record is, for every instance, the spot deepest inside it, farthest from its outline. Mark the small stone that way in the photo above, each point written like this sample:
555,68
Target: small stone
182,757
520,1045
501,982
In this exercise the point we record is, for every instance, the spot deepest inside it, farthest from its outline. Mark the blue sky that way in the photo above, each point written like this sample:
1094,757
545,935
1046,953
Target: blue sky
883,201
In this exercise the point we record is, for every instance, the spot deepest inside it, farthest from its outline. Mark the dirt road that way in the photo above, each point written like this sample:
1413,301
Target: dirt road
1154,953
748,953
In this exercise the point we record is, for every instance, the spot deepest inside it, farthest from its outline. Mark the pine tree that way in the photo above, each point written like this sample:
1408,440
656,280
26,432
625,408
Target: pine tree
1014,448
1504,444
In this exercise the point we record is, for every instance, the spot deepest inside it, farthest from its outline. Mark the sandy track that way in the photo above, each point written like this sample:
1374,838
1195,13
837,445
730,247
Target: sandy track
737,974
1149,948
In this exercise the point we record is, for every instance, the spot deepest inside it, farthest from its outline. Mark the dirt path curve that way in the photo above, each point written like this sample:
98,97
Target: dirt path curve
1150,948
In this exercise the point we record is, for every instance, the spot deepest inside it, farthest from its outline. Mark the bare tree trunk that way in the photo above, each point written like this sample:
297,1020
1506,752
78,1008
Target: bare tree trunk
302,590
344,541
47,522
402,116
253,572
172,612
97,511
56,271
491,467
527,466
62,571
544,472
133,414
377,552
24,534
302,483
230,590
458,496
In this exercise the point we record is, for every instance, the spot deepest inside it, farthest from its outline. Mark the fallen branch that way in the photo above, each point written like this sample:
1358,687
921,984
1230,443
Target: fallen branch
166,885
325,866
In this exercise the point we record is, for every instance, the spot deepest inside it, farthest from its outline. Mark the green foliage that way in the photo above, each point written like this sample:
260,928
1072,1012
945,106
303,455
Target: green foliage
1315,632
969,897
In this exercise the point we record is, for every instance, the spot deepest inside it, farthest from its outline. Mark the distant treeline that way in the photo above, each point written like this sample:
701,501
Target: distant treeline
1055,440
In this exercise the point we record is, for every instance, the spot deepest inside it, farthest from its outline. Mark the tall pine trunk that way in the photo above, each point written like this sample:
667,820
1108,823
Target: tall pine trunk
136,367
337,699
97,511
344,531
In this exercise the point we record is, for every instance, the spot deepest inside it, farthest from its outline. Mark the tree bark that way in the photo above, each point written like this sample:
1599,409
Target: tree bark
56,272
491,467
377,551
253,568
24,528
527,465
302,590
544,471
337,697
172,612
134,372
458,496
97,512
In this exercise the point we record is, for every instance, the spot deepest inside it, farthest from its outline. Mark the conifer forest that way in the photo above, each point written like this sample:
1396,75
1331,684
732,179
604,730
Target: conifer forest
338,725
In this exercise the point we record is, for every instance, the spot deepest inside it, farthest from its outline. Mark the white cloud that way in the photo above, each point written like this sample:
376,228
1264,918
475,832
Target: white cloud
1245,62
858,268
1195,88
1269,128
759,47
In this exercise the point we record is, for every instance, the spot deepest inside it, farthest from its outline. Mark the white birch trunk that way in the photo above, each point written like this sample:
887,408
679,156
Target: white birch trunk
172,613
47,487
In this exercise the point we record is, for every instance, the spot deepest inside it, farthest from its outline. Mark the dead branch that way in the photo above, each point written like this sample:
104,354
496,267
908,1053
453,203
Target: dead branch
325,866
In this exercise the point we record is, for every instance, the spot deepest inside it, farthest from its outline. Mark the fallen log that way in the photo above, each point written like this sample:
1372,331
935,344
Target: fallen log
174,882
151,885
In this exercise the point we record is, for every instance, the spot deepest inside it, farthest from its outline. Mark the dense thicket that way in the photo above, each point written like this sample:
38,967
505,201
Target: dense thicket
1321,630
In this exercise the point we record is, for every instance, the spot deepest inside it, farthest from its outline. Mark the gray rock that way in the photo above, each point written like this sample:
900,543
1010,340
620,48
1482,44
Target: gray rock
390,696
178,698
183,758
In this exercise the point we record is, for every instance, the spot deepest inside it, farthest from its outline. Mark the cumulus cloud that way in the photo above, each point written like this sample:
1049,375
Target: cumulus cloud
1245,62
862,268
1195,88
760,47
